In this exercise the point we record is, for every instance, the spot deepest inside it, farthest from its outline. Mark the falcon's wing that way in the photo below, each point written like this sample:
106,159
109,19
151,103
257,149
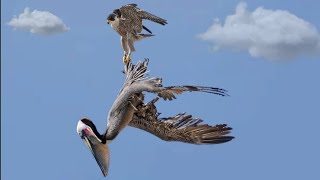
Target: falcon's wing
130,19
146,15
168,93
129,10
133,9
182,127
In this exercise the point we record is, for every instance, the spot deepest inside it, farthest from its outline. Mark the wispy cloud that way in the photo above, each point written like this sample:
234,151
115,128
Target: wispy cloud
275,35
38,22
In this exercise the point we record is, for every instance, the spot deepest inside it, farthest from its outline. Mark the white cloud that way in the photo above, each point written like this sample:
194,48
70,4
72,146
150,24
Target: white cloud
276,35
38,22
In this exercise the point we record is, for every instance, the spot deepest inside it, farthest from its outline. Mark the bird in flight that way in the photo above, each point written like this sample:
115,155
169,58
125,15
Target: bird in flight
127,22
129,109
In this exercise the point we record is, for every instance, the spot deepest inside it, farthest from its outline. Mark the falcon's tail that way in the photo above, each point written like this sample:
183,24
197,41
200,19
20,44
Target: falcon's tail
145,28
142,36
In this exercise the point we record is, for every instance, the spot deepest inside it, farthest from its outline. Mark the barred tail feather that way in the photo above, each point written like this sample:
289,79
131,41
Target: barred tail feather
136,72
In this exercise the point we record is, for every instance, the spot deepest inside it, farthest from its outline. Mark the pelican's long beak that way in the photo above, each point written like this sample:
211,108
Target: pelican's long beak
99,150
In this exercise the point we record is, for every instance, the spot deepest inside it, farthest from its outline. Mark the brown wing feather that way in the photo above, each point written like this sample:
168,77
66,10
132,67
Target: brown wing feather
131,20
168,93
182,127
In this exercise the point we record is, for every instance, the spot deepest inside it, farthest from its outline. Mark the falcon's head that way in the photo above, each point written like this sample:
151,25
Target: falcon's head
114,17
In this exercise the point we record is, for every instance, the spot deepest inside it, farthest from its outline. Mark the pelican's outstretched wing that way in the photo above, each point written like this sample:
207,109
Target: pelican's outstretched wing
168,93
182,127
139,72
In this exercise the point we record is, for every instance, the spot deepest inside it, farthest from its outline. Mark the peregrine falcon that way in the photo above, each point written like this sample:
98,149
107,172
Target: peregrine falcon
129,109
127,21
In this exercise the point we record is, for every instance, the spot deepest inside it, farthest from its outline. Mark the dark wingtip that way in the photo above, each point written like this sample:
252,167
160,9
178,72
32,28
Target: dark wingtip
117,12
164,23
145,28
227,139
217,140
220,91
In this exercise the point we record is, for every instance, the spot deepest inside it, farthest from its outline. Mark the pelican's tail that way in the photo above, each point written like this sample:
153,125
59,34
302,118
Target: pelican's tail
136,72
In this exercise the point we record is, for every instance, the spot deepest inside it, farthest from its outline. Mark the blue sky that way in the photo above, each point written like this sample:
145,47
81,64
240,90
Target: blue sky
52,78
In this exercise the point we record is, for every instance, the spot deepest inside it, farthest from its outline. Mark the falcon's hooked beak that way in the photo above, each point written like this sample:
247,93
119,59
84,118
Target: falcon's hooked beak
111,17
99,150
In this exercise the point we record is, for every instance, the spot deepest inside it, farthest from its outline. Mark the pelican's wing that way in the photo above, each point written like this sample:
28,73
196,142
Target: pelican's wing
138,73
182,127
168,93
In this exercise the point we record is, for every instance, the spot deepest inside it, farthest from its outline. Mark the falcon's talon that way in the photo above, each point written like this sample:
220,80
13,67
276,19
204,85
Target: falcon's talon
125,59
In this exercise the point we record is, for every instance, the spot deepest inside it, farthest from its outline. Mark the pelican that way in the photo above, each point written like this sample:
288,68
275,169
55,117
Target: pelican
129,109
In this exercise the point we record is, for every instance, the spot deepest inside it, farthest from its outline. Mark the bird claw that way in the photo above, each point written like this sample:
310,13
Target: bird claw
126,59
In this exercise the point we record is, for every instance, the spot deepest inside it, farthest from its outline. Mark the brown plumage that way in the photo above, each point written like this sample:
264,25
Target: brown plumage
127,21
182,127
